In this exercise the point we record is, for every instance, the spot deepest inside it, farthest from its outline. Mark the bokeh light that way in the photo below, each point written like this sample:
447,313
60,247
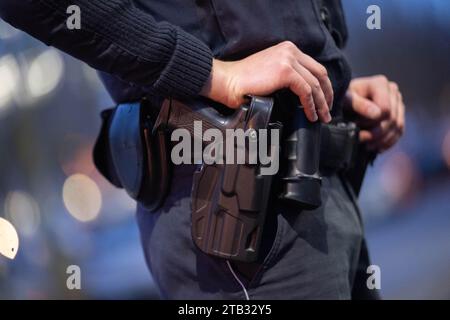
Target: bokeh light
82,197
45,73
9,78
23,212
9,239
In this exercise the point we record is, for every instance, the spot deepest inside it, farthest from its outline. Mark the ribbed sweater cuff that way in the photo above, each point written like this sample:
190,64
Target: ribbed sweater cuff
188,68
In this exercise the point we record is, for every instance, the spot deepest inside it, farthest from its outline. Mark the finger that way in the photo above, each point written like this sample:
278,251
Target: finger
380,131
384,136
364,107
380,94
321,74
320,102
361,86
365,136
393,89
401,115
303,90
386,143
390,142
389,139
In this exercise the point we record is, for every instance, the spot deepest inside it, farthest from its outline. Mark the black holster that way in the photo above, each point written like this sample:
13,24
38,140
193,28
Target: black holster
229,201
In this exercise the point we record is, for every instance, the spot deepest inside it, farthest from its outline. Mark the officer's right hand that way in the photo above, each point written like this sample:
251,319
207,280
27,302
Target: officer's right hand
277,67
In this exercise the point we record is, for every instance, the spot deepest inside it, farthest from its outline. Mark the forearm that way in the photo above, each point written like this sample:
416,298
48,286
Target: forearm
120,39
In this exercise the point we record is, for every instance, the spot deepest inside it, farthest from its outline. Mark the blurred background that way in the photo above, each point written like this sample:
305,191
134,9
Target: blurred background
66,213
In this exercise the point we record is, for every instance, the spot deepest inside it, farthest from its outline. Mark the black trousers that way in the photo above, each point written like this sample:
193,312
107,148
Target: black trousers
317,254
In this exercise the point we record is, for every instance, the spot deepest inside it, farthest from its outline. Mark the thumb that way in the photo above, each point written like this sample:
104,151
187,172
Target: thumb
364,107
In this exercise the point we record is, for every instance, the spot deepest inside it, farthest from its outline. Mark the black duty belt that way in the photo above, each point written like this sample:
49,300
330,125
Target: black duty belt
132,153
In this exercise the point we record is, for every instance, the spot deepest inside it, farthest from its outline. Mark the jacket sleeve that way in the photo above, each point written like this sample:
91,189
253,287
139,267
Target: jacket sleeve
118,38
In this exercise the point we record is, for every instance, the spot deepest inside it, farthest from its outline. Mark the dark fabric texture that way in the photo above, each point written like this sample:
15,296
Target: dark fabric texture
118,38
315,254
165,48
236,29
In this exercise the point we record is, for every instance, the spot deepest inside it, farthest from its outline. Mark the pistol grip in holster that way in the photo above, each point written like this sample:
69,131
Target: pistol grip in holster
229,201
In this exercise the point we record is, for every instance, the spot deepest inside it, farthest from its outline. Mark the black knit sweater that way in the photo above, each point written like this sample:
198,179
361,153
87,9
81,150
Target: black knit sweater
118,38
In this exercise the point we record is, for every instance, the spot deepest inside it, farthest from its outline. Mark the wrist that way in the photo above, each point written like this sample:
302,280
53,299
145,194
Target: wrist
219,85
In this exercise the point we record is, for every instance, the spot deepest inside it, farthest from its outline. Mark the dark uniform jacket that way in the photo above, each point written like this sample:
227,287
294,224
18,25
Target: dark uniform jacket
165,48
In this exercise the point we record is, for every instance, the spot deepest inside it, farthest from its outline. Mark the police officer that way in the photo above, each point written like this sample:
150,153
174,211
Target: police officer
223,50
